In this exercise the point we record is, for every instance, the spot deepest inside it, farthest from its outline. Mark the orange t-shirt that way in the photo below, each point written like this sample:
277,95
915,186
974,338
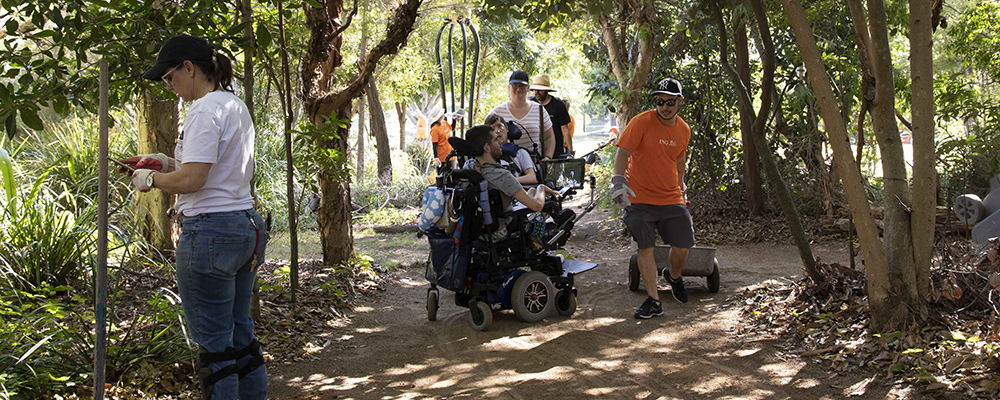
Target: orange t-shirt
572,126
439,135
652,167
421,127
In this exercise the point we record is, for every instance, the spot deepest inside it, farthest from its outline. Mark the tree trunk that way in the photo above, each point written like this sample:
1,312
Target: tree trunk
751,162
631,78
158,128
759,128
924,171
401,116
880,288
323,55
362,133
896,222
379,131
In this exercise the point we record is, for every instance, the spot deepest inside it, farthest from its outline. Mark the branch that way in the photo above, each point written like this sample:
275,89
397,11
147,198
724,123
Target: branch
347,23
903,121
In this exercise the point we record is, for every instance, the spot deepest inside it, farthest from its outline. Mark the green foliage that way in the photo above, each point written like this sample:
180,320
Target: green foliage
975,38
320,153
43,239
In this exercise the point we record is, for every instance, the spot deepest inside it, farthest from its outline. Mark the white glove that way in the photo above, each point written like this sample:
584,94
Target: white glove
157,162
143,179
620,191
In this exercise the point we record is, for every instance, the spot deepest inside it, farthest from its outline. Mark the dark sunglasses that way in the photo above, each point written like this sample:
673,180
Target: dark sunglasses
669,102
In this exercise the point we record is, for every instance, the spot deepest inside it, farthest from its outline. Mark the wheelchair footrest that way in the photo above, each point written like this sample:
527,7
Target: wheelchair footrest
576,267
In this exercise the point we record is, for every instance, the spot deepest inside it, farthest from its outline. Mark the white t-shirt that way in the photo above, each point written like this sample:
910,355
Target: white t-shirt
218,131
528,123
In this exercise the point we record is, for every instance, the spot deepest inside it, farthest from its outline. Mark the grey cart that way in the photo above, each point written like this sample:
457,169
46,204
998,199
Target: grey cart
701,261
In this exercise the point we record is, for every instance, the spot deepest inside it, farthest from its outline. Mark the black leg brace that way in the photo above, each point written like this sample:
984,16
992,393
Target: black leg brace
209,378
256,357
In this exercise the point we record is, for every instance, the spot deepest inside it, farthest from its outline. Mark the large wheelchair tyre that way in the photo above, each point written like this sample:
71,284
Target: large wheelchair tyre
565,302
432,304
533,296
633,273
480,315
713,279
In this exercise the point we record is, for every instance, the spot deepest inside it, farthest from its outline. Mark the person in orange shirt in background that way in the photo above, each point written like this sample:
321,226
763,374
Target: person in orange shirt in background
572,130
440,132
649,184
421,127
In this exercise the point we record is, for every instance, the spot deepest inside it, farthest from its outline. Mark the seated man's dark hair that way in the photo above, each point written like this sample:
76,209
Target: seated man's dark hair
479,135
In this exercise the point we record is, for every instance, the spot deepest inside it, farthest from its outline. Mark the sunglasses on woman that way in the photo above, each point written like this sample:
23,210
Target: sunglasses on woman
669,102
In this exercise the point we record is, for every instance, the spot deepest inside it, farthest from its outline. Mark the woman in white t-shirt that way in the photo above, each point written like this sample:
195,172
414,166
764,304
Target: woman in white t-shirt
538,137
222,238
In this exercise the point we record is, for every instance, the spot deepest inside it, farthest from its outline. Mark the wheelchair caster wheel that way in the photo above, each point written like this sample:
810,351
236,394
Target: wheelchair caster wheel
565,302
533,296
432,304
633,273
480,315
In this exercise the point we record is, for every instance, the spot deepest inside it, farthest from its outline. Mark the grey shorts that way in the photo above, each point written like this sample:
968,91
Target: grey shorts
673,222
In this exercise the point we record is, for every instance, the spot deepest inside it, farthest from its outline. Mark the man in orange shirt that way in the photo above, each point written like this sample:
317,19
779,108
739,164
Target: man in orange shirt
649,184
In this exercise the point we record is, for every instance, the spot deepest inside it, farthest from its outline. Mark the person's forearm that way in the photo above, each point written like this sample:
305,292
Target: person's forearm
189,178
550,143
528,178
681,168
567,138
621,161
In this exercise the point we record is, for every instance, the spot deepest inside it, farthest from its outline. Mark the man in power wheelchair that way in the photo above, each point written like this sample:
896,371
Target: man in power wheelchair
494,252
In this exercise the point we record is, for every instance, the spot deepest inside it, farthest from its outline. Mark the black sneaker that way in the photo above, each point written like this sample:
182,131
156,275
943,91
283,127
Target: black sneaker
649,308
676,287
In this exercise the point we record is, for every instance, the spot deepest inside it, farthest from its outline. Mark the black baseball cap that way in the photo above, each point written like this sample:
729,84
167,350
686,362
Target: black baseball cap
668,86
518,76
177,49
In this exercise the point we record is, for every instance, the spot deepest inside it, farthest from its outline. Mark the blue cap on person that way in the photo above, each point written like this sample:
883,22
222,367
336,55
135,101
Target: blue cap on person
668,86
518,76
177,49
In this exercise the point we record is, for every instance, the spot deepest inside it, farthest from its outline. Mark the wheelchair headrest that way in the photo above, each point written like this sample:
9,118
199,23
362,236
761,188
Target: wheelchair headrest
513,131
464,147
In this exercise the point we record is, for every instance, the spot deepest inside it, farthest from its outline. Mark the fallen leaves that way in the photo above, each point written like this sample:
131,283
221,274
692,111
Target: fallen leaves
957,349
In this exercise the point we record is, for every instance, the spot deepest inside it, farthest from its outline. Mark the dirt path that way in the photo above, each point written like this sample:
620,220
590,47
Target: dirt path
391,351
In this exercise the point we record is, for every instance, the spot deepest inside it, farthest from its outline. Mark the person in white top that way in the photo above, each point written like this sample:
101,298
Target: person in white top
223,238
529,116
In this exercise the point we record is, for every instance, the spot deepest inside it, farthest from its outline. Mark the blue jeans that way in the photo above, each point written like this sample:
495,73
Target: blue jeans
215,279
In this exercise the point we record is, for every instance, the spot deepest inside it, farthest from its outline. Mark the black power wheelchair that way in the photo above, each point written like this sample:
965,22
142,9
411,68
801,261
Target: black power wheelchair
494,259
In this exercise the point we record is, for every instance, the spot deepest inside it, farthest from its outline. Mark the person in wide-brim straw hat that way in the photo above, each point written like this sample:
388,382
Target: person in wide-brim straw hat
556,109
541,82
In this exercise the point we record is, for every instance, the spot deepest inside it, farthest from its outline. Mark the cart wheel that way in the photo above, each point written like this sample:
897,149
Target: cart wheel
480,315
533,296
713,280
432,304
633,273
565,302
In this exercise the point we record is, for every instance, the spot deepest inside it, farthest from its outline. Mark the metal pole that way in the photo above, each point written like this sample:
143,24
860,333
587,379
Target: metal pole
101,274
465,61
437,53
451,74
472,80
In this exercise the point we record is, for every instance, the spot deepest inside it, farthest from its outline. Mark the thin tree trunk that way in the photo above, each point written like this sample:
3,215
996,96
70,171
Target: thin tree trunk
286,108
159,121
876,265
897,203
362,133
751,161
401,116
378,128
782,193
924,171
